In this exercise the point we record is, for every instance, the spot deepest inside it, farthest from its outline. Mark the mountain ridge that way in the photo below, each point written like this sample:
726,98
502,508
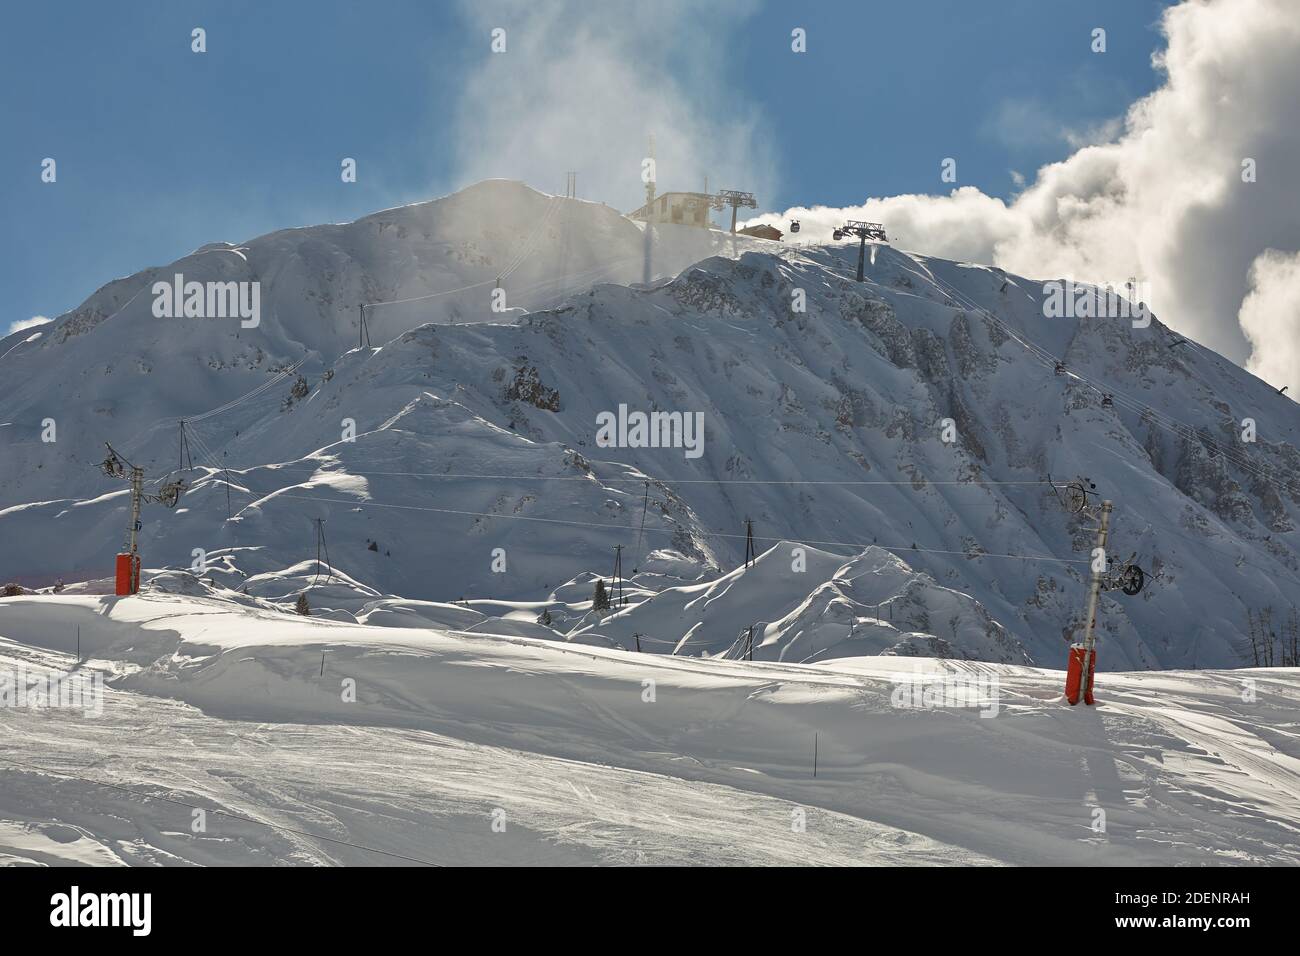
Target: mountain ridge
823,426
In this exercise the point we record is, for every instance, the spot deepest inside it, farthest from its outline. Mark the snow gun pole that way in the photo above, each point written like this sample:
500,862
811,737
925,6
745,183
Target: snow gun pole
127,565
137,492
1083,657
1103,530
127,571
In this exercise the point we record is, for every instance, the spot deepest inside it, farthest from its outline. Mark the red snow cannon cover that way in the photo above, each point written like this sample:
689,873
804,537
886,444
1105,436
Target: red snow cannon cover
1074,680
128,574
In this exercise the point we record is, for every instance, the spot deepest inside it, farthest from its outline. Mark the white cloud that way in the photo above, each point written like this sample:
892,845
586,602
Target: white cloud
1270,317
1106,131
1164,200
20,324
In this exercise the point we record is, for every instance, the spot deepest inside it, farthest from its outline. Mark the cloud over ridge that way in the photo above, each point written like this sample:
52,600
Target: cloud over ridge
1165,200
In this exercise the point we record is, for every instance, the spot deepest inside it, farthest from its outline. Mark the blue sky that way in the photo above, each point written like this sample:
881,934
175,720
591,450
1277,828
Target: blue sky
160,150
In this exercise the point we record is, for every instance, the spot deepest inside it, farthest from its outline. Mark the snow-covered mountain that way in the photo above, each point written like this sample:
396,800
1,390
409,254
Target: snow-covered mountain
478,472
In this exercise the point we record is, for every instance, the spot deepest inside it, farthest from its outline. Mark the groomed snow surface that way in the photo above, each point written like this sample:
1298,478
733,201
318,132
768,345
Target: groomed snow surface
583,754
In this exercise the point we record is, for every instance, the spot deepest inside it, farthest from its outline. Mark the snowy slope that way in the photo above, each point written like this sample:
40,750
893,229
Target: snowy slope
871,604
822,426
715,765
110,370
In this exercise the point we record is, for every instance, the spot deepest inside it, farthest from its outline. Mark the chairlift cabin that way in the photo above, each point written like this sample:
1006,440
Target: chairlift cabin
1107,401
794,225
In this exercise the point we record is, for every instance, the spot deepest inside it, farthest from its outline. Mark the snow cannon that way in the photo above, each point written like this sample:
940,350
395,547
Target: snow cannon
128,574
1083,660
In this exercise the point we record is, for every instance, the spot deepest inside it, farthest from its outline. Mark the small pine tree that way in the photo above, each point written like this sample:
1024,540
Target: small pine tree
302,607
545,618
601,600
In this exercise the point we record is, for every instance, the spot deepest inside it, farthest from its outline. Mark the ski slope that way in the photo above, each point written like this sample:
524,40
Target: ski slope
218,702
